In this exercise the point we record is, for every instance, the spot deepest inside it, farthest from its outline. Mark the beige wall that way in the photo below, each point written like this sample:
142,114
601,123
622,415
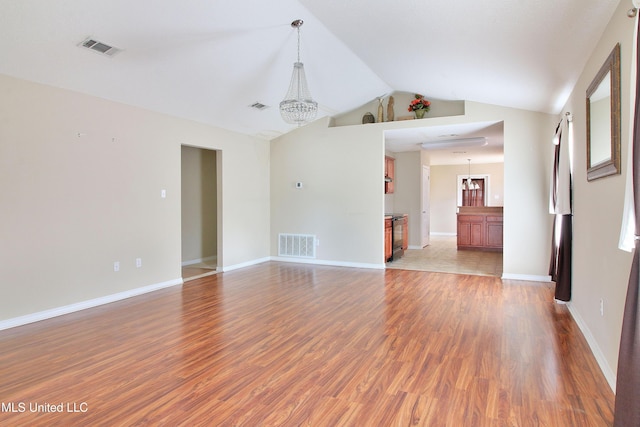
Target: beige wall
408,191
80,179
199,204
600,269
408,169
527,163
341,202
444,192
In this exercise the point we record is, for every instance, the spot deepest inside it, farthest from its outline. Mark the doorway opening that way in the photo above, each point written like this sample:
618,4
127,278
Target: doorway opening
200,212
434,196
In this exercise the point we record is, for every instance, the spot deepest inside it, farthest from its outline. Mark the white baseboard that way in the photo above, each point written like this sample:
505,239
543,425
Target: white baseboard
246,264
526,277
437,233
415,247
329,263
83,305
199,260
595,348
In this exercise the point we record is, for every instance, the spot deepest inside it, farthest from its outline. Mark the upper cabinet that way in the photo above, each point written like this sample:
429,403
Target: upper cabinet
389,174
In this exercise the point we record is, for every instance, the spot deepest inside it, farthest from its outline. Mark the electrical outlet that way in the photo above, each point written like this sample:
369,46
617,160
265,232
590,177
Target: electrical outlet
138,262
601,307
116,266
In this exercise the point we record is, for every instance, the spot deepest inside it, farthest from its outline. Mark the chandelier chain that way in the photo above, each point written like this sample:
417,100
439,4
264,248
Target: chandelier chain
298,44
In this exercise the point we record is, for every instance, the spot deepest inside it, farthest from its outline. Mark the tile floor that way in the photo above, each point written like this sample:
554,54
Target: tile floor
442,255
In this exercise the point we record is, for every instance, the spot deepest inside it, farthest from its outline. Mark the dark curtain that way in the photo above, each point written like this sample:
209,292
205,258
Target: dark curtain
562,236
627,410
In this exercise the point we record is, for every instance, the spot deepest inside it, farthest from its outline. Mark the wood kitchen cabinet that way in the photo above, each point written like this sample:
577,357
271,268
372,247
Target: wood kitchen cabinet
494,232
480,228
389,174
470,230
388,238
405,232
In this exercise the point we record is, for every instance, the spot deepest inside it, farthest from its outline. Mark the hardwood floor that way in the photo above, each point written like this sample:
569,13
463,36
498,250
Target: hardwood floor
288,344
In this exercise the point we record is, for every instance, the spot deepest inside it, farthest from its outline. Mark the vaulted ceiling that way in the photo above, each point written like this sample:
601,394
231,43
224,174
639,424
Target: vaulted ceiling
210,60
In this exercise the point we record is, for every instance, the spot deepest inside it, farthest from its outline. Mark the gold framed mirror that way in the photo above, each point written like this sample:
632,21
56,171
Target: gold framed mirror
603,119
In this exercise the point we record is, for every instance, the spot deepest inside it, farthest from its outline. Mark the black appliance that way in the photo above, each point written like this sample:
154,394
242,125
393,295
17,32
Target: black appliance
397,236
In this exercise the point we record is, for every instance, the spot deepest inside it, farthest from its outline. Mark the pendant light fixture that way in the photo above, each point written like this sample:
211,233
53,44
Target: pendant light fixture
470,185
298,107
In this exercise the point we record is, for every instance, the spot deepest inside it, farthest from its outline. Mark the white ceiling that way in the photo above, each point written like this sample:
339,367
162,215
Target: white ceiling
400,140
209,60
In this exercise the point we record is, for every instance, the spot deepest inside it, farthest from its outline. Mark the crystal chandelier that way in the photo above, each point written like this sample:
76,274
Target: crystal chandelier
297,106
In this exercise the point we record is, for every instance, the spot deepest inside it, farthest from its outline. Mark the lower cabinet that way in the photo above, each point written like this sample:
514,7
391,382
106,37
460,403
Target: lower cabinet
470,230
388,239
494,232
480,230
405,232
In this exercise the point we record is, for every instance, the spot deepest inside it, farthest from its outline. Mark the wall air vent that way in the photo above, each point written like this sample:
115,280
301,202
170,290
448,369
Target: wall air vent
258,106
297,245
99,47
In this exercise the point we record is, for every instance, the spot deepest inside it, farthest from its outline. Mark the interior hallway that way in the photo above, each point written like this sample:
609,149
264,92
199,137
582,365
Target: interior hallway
443,256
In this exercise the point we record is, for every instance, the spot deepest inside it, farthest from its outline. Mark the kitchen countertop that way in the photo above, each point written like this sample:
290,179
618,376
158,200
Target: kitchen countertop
480,210
394,215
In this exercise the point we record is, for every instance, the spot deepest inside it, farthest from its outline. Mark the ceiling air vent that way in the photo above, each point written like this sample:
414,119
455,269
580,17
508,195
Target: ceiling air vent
100,47
258,106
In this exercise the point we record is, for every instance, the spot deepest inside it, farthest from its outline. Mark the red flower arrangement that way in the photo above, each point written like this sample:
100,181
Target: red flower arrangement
419,104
